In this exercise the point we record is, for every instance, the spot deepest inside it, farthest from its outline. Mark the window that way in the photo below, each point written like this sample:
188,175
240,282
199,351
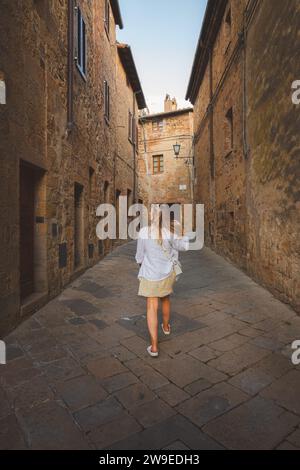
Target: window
137,139
228,132
157,126
130,125
133,129
227,28
81,44
106,101
91,181
107,16
106,192
158,164
129,198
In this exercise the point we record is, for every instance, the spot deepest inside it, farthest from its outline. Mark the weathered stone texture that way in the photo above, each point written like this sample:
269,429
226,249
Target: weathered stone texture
175,183
126,155
35,131
251,188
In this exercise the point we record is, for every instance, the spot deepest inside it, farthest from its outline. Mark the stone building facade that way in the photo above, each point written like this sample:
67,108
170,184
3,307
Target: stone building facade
59,121
164,178
131,101
246,146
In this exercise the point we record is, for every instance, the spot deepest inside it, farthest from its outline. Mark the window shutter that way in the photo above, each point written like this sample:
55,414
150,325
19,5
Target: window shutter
76,33
84,44
133,129
108,101
129,125
137,138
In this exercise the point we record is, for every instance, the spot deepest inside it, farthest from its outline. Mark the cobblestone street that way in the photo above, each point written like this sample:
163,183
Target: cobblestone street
78,375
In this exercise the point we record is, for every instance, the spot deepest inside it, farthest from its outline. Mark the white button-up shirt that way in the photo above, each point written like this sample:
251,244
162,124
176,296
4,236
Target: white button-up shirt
156,264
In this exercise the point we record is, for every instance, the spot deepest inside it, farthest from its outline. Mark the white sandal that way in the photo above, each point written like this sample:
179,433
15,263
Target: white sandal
152,354
168,331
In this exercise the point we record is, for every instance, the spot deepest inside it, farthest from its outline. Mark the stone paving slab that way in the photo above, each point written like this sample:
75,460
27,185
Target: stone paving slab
211,403
165,433
78,375
257,424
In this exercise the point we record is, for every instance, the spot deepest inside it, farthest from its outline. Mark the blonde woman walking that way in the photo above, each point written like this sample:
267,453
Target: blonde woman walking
157,254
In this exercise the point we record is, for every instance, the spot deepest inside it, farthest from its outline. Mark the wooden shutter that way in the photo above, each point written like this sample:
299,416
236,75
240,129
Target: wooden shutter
76,33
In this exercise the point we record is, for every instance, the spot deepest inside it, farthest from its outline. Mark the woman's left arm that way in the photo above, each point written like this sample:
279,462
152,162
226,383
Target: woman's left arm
182,243
140,250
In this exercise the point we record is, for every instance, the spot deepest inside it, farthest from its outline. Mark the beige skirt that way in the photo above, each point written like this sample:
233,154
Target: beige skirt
157,288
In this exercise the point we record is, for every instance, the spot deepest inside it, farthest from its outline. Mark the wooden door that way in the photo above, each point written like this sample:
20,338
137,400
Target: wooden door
27,182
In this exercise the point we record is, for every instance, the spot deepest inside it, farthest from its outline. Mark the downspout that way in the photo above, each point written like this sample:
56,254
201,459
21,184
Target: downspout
70,64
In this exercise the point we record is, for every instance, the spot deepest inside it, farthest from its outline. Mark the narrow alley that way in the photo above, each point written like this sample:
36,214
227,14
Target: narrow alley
79,377
119,115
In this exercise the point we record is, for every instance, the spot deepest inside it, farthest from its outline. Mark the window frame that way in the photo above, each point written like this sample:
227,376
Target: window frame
106,101
158,125
107,17
81,44
130,126
137,138
133,136
229,132
228,29
160,166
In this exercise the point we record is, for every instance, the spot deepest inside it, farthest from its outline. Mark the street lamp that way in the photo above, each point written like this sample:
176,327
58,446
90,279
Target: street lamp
176,148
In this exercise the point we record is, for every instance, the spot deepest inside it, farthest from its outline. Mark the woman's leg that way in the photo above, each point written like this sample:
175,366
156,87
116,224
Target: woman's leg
166,307
152,321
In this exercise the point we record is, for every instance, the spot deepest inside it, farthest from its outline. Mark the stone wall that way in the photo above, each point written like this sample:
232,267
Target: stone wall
273,167
251,188
126,169
35,133
174,184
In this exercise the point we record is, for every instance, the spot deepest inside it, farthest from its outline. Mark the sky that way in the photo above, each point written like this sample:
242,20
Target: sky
163,36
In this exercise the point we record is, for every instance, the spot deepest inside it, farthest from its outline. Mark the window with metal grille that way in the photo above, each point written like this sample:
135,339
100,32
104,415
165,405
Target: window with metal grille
81,44
158,164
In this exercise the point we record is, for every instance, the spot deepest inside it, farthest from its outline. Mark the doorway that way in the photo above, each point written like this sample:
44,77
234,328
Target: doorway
78,225
27,184
33,231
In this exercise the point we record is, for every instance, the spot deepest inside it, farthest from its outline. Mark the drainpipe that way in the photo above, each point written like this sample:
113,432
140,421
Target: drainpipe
70,64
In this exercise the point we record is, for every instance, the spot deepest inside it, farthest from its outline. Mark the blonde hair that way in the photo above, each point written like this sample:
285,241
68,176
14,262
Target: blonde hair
159,215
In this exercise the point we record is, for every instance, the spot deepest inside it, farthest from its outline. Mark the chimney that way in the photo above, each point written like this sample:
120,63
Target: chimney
170,104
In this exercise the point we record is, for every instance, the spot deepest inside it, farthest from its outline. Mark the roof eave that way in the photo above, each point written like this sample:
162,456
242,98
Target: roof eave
128,63
176,112
213,15
115,6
